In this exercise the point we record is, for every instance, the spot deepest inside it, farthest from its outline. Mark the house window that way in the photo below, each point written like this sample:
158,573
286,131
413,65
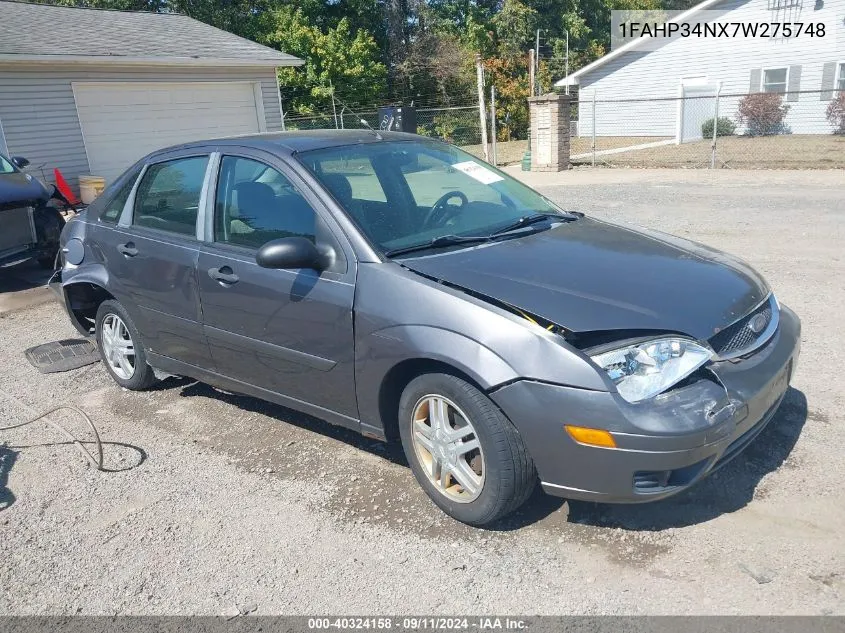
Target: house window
840,82
774,79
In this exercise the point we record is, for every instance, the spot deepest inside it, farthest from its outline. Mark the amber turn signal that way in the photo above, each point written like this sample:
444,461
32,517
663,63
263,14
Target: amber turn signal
593,437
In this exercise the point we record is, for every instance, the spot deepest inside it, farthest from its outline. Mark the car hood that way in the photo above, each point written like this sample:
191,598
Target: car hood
590,275
20,187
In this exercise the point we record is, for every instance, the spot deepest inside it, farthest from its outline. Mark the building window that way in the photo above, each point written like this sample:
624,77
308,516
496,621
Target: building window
840,82
774,80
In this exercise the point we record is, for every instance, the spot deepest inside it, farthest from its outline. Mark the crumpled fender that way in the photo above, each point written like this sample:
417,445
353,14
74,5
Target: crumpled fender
404,342
382,350
87,273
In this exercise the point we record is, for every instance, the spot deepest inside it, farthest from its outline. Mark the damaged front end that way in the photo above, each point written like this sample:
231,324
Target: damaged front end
662,443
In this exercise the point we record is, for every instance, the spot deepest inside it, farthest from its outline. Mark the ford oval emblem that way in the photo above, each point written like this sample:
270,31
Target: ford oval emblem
757,324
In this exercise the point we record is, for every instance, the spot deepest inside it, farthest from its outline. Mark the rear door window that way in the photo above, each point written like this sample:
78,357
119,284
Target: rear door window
169,194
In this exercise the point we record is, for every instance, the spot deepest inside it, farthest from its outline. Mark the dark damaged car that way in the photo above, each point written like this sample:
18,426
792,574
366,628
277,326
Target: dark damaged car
29,226
400,287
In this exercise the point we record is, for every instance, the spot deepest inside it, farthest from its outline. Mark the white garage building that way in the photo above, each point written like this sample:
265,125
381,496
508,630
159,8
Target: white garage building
91,91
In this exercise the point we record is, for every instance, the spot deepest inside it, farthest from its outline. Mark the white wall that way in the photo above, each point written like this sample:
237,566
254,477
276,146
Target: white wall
730,61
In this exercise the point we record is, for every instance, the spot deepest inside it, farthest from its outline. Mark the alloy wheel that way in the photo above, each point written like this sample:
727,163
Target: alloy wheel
118,347
447,446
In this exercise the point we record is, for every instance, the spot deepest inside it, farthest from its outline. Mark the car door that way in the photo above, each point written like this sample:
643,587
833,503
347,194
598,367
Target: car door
285,331
151,255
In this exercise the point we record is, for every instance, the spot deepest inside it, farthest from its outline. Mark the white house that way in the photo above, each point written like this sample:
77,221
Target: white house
637,87
91,91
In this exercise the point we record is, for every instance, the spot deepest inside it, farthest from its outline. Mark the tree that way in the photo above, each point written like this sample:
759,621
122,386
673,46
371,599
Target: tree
336,61
438,69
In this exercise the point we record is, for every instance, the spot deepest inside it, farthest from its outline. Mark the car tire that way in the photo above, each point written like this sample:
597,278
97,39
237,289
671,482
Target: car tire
48,228
504,477
121,349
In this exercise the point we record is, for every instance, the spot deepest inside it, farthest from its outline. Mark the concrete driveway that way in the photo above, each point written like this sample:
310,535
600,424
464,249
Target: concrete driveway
217,502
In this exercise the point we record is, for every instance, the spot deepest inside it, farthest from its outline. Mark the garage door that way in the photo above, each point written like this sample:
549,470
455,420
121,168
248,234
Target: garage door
121,122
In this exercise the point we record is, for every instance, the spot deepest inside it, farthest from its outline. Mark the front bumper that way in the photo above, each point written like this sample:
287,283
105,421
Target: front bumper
664,445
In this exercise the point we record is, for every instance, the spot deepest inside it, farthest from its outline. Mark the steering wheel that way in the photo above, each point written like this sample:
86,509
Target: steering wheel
440,211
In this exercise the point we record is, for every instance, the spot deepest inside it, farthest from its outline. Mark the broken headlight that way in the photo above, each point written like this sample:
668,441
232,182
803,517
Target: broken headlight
643,370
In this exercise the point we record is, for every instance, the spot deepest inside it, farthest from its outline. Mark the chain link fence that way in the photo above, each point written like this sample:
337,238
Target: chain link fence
704,128
701,128
460,126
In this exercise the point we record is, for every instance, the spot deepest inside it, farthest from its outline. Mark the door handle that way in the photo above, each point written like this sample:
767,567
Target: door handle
127,249
224,275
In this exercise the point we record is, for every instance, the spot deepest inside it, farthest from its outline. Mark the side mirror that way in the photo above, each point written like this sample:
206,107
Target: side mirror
292,252
20,162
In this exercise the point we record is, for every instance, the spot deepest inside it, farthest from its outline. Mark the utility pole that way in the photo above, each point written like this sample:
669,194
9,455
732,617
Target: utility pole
567,61
526,157
594,125
493,121
334,109
479,71
531,72
535,89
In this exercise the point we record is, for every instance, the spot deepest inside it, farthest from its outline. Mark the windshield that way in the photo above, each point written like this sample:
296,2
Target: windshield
407,193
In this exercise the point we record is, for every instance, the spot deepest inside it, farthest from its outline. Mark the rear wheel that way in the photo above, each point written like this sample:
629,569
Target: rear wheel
464,452
121,348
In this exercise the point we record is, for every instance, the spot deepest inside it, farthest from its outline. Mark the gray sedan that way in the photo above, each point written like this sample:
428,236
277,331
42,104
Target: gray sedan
400,287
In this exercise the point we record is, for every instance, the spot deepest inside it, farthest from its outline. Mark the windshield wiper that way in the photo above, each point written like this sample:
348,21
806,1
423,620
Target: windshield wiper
534,218
438,242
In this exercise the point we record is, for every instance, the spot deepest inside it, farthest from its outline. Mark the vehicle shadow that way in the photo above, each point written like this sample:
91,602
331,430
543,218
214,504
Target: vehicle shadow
727,490
391,451
7,460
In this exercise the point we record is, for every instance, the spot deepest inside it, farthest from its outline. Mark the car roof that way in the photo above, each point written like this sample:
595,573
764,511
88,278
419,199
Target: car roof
286,143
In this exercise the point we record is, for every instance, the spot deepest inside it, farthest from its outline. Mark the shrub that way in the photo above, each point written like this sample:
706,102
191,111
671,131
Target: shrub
724,127
445,126
763,113
836,113
463,129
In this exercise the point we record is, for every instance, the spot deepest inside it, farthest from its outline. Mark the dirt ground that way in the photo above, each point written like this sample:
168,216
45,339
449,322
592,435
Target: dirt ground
215,502
792,151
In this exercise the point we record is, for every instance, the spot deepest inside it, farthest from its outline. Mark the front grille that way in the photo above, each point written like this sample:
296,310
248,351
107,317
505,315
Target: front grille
739,336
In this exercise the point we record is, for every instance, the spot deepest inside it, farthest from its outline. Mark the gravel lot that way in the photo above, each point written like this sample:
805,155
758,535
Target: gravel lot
218,502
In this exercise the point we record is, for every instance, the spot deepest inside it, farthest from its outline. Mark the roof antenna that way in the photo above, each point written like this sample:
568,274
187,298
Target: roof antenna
361,119
369,127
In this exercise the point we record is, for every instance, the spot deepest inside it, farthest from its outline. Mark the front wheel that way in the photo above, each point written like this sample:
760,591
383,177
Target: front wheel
121,349
467,456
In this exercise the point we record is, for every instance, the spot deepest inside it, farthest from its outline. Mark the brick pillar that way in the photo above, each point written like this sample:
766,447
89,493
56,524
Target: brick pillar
549,116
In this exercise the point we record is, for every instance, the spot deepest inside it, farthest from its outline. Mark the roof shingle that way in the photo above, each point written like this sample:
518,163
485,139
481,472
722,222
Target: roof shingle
31,30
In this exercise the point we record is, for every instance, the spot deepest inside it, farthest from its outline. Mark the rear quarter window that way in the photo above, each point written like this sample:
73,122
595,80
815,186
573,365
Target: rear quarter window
114,207
168,195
